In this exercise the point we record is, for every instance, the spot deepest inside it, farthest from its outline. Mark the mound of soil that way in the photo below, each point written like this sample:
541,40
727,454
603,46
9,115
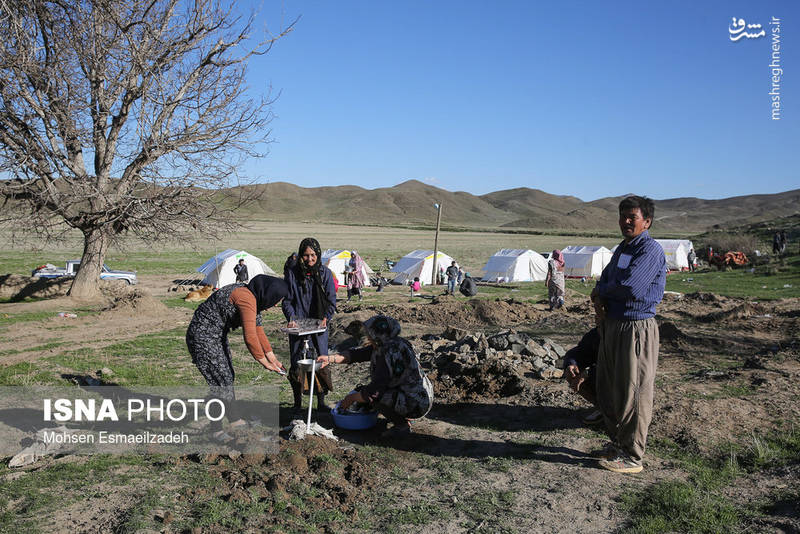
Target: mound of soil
467,378
706,298
448,310
16,288
126,299
119,295
743,311
340,478
480,368
667,331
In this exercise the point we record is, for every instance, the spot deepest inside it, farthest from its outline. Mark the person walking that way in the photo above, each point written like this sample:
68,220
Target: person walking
625,299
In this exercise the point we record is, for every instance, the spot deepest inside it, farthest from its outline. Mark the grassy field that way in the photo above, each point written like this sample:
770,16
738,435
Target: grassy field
696,497
273,242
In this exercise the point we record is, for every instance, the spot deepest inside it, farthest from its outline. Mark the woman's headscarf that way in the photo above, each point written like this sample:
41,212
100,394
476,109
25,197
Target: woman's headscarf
358,268
558,256
268,291
319,300
382,328
313,244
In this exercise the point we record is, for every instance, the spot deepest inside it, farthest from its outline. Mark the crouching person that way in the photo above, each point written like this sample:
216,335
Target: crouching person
398,387
580,370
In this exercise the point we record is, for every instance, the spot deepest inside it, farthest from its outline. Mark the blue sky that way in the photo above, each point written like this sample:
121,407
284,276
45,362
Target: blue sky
590,99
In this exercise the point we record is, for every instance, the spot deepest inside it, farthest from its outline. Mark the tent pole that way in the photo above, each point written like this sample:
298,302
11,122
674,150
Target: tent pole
436,243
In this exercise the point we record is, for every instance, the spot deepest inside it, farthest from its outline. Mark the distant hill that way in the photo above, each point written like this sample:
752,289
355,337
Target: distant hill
411,203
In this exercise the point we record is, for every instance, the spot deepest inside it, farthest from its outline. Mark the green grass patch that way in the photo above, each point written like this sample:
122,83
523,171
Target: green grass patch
37,348
698,505
771,450
140,517
27,374
674,506
27,497
159,359
486,511
418,514
784,283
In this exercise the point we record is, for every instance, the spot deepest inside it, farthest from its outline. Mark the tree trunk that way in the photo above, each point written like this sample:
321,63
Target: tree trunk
87,281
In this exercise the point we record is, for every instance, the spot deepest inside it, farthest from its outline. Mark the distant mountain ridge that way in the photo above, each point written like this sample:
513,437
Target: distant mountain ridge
411,203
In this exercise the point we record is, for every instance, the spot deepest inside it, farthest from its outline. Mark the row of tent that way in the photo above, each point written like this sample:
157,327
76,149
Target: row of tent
506,265
218,271
525,265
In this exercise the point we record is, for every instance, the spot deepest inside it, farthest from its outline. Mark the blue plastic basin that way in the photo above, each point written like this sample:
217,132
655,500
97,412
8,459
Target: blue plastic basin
356,421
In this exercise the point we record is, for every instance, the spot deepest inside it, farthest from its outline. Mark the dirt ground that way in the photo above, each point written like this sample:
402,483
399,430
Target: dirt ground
728,368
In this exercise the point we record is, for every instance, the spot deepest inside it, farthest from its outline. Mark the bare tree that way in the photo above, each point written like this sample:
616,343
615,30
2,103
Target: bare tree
125,117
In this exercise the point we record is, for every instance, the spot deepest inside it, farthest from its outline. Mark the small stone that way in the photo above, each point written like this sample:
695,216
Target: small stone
535,349
550,372
105,371
517,348
454,334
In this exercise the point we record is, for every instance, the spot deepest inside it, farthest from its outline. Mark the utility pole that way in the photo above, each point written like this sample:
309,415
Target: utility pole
438,207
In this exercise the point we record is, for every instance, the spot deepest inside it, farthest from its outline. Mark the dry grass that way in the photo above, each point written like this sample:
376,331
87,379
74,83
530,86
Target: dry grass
274,241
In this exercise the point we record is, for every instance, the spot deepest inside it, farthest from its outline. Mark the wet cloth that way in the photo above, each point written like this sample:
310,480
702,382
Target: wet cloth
398,384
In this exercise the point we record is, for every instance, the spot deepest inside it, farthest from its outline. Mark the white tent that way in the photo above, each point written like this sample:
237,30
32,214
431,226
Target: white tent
580,261
218,270
337,260
675,251
515,265
419,263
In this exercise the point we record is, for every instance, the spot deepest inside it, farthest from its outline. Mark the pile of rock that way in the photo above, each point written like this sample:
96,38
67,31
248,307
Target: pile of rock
471,365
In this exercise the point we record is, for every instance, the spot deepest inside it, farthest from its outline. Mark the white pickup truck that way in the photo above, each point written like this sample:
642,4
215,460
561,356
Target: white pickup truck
51,271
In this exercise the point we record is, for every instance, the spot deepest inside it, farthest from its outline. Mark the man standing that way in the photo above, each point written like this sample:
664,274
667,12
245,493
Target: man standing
625,301
452,276
241,272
